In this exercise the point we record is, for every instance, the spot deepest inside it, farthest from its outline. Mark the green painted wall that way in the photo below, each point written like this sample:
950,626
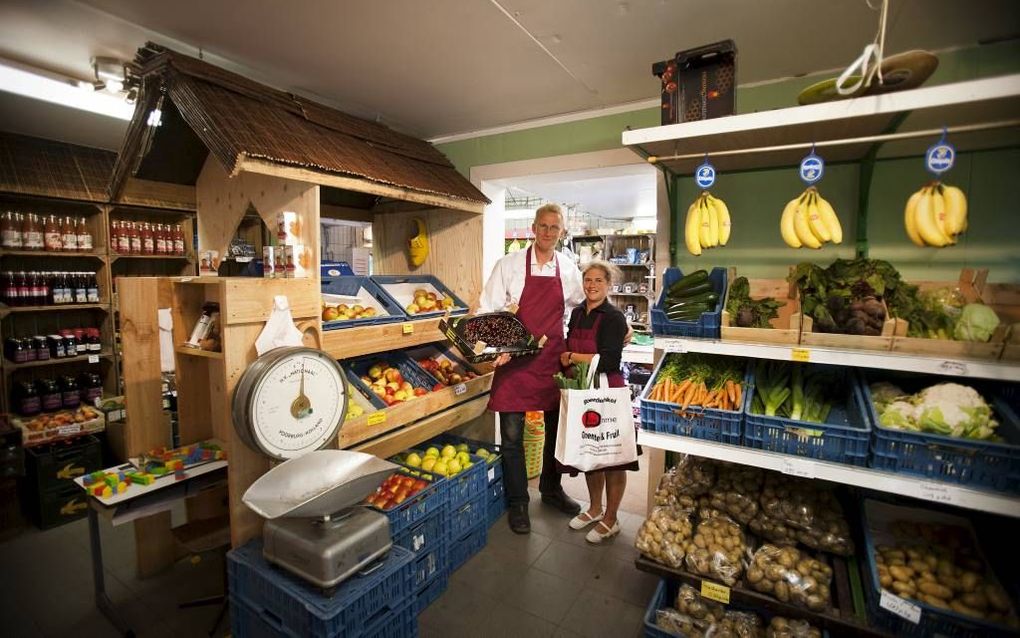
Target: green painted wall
756,199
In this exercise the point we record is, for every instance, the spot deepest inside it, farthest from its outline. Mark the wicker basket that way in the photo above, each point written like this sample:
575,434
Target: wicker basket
534,441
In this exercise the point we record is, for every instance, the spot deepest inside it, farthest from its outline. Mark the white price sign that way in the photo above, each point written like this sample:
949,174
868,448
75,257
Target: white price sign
492,473
459,389
937,493
900,607
68,430
953,367
419,541
93,358
798,467
674,345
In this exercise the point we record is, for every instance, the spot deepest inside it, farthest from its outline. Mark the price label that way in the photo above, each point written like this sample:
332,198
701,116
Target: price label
716,592
800,354
953,367
674,345
798,467
419,541
93,358
704,175
68,430
376,418
812,167
492,474
900,607
459,389
937,493
407,328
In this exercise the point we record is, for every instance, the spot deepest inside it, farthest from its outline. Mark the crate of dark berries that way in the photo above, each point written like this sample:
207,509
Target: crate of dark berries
486,336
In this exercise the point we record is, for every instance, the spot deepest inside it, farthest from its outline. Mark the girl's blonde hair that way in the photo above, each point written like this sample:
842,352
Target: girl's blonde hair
612,272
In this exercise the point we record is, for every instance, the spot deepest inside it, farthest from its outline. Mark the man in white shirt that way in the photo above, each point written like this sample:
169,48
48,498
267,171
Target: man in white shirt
543,284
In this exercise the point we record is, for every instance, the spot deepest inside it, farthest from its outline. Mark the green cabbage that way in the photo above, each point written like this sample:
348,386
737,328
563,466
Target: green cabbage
977,323
949,409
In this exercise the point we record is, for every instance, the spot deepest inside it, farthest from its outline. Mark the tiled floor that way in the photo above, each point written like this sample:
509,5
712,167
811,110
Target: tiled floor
549,583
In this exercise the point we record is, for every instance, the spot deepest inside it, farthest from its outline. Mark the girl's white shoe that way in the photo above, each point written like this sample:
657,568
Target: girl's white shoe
601,532
582,520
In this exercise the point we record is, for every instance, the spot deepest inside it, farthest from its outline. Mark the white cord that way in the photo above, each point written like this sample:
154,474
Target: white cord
869,64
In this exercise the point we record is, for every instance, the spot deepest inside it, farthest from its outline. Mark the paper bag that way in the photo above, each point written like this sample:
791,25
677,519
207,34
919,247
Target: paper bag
280,330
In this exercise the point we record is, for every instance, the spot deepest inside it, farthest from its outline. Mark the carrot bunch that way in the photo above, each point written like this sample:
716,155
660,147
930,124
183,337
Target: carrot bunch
703,381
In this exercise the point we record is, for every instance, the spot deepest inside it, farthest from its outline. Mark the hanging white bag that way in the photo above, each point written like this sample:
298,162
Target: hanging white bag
596,428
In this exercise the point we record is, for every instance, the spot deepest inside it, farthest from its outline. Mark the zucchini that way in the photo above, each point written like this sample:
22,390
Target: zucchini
705,299
689,281
693,291
692,312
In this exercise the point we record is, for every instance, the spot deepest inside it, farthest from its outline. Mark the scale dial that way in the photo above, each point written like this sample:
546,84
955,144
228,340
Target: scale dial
290,401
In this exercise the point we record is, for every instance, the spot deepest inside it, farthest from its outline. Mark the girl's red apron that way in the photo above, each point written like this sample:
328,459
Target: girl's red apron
526,383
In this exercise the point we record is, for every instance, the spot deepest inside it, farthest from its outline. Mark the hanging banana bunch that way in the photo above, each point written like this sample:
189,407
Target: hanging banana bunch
809,220
935,215
707,225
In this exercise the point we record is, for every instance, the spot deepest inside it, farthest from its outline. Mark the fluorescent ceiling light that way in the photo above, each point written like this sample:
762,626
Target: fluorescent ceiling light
20,82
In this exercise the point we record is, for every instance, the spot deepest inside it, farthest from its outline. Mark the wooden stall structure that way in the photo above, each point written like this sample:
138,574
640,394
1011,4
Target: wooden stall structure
247,149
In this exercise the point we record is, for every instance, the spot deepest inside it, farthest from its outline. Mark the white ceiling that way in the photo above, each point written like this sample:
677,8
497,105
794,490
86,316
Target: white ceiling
613,192
440,67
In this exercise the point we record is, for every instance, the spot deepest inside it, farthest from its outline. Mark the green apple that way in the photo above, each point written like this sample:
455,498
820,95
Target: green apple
441,467
431,452
463,447
429,464
462,458
467,465
454,466
482,452
413,460
448,452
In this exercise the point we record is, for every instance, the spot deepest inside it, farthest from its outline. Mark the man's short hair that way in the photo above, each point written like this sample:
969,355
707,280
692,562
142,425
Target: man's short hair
550,208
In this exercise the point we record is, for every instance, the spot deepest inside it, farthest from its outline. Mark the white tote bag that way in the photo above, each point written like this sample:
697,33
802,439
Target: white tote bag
596,428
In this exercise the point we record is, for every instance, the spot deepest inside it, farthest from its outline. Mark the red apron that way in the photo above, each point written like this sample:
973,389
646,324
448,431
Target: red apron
582,341
526,383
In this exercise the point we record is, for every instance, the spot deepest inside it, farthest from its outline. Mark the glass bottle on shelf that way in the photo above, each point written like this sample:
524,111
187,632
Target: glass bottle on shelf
31,232
69,392
92,288
10,289
94,342
160,240
43,298
10,231
178,241
136,238
51,234
148,240
67,235
24,292
83,234
81,289
124,238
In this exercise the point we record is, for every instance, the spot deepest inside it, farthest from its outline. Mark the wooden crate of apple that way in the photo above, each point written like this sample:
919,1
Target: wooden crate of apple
396,489
391,386
345,312
425,301
450,461
445,371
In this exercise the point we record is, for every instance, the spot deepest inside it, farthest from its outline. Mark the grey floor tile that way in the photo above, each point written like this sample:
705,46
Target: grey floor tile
569,561
490,573
461,610
508,622
621,579
542,594
564,632
596,615
517,548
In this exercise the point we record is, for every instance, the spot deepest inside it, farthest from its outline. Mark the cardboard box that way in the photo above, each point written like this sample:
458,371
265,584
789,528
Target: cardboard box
209,263
296,261
269,262
288,228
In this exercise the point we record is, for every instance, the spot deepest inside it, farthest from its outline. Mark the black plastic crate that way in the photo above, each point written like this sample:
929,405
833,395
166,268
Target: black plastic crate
56,465
57,507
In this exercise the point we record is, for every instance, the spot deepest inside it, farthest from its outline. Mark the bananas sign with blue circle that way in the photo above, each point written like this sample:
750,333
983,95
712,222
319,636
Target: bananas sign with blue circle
812,168
705,175
940,157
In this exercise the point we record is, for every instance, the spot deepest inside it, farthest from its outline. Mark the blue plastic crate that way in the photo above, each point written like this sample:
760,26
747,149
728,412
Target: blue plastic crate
390,283
354,286
494,462
246,622
467,516
419,507
441,351
467,485
330,269
409,370
429,565
431,591
844,437
708,324
360,605
358,386
425,535
709,424
934,621
983,464
462,548
497,502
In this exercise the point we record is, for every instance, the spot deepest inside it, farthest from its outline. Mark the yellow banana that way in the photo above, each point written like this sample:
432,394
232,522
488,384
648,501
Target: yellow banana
830,219
418,246
692,226
939,212
927,227
705,233
815,223
801,226
910,218
713,220
724,219
786,224
956,209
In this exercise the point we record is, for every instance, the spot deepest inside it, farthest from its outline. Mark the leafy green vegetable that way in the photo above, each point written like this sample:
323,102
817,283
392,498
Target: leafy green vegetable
575,379
747,312
977,323
793,390
846,297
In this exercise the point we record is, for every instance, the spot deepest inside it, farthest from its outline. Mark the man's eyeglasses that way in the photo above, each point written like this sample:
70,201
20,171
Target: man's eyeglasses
545,228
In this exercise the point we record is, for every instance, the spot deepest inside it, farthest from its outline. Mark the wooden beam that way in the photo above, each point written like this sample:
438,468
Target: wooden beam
353,342
252,298
425,429
346,213
142,192
262,167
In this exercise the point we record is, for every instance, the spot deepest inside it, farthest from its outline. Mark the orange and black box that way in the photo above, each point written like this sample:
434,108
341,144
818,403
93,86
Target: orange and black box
699,83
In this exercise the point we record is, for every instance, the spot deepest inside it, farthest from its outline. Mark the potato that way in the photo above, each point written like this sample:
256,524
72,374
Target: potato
885,581
936,590
755,574
934,601
975,599
900,573
961,608
904,588
969,582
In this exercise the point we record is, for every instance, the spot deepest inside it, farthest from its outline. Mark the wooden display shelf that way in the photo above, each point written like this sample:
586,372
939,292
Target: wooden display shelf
345,343
98,254
398,440
5,310
368,426
842,624
116,256
197,352
10,366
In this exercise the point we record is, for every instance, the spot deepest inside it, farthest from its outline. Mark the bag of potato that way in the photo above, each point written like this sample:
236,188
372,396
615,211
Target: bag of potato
664,535
811,509
669,493
736,492
693,476
717,549
675,623
690,602
791,576
737,624
781,627
773,530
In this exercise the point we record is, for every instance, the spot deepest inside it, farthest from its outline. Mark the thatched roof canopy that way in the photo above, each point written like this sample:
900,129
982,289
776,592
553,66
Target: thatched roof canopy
249,126
46,168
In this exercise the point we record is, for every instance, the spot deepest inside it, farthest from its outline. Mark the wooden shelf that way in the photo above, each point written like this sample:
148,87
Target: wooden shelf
345,343
116,256
98,254
956,104
373,424
10,366
196,352
428,427
894,483
6,310
841,625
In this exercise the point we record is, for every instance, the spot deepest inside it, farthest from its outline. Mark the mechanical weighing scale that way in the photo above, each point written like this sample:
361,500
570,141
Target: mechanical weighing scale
288,405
